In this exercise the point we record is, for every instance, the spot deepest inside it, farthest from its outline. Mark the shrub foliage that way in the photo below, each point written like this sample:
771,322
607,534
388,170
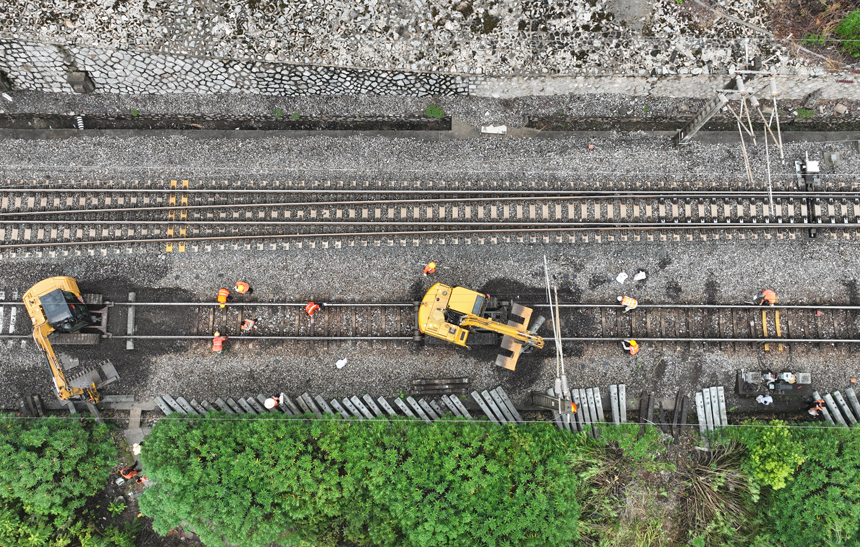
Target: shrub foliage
251,481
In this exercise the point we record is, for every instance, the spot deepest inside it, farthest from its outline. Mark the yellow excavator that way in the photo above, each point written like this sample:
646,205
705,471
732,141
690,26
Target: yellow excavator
55,305
454,313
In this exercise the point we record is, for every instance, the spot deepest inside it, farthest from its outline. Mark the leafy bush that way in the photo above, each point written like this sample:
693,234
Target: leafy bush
254,481
849,29
804,113
48,469
822,505
641,449
434,111
772,453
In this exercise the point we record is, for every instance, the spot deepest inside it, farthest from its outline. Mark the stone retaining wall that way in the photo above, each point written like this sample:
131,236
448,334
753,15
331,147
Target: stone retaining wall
44,67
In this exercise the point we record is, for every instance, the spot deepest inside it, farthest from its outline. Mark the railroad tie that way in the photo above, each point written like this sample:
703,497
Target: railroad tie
450,405
368,401
478,399
323,405
436,408
385,406
361,408
258,408
428,409
351,407
404,407
222,405
336,405
418,410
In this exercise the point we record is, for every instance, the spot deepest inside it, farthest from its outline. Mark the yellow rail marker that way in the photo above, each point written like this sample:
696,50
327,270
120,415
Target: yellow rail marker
182,243
764,328
778,328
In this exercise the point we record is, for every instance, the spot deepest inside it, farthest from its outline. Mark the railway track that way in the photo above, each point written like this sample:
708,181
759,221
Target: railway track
67,216
395,323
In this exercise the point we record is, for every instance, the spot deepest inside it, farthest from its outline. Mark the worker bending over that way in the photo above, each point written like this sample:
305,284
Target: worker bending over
243,288
631,346
248,324
815,407
218,342
628,303
310,309
766,297
430,268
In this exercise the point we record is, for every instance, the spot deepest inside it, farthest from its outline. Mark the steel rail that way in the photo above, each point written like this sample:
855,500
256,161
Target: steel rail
554,197
613,228
421,222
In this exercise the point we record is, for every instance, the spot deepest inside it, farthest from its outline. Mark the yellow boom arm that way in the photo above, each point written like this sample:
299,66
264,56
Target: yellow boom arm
525,337
64,391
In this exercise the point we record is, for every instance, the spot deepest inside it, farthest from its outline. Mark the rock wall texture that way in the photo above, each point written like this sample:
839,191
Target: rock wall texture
493,48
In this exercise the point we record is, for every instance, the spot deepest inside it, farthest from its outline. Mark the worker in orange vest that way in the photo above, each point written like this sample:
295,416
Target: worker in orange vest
243,288
631,346
224,296
767,296
815,407
429,268
310,308
248,324
218,342
272,402
628,303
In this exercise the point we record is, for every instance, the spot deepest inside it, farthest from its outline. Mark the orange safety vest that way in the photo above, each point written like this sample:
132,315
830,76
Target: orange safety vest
430,268
222,295
217,343
769,296
634,347
629,302
310,308
248,324
242,287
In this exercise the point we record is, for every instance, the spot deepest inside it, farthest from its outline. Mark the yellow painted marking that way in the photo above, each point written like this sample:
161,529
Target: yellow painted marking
778,328
173,184
185,184
764,328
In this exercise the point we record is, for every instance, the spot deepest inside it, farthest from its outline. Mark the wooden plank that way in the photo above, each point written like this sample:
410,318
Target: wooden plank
235,406
336,405
186,406
404,407
428,409
165,407
173,404
450,405
258,408
418,410
207,406
721,398
303,405
347,404
852,398
459,404
195,405
556,416
834,410
824,411
386,407
246,407
436,408
510,404
323,405
622,402
598,404
501,405
709,416
361,408
480,400
312,406
613,402
700,413
843,406
488,399
285,400
368,400
715,407
219,402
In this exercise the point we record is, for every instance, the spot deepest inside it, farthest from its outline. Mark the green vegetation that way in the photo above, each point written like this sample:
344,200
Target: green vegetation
773,453
434,111
403,483
849,30
135,112
646,108
116,507
296,115
804,113
49,468
278,113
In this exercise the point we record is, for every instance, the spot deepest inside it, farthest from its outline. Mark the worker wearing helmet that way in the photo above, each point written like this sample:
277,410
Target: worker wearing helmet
272,402
243,288
628,303
218,342
429,268
310,309
224,296
631,346
767,296
248,324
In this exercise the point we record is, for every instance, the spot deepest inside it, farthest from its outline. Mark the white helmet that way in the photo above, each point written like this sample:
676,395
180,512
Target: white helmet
269,403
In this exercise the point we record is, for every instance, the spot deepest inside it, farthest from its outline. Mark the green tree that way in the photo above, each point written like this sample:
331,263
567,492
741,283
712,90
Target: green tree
822,505
773,454
251,481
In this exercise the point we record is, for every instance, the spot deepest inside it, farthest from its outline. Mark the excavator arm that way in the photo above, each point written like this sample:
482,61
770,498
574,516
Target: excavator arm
64,391
524,336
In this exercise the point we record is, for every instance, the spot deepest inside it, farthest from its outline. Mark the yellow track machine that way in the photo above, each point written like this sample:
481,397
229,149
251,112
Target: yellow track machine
455,314
55,305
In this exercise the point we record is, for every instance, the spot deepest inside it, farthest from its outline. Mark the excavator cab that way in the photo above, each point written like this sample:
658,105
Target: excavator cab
453,313
65,311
